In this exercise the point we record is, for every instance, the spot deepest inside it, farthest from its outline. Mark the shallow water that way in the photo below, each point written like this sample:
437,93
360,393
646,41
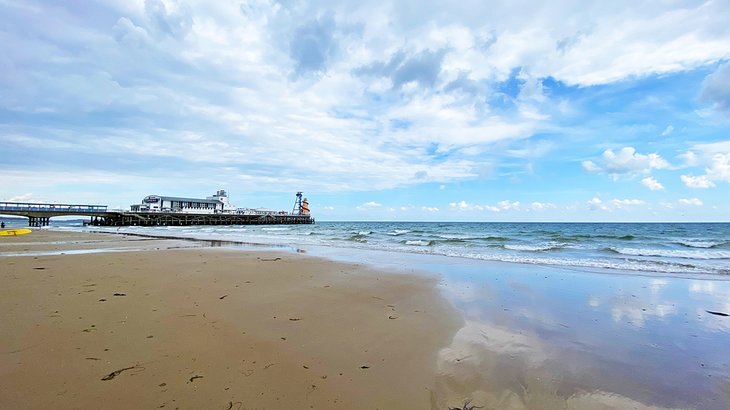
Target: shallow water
687,248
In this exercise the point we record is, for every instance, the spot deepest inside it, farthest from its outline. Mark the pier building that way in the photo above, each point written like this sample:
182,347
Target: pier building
213,204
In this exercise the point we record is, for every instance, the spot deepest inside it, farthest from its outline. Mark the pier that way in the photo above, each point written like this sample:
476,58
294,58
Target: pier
185,219
40,214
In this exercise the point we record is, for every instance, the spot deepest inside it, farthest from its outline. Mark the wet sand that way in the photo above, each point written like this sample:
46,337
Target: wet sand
549,337
211,328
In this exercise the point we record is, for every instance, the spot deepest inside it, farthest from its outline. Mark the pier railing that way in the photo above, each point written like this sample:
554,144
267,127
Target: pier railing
40,214
30,206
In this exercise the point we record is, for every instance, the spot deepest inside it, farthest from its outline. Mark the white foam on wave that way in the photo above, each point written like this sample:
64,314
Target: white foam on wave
457,237
674,253
399,232
418,243
535,258
534,248
276,229
621,265
700,244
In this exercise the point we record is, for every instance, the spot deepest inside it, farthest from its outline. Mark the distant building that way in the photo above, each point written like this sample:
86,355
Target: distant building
213,204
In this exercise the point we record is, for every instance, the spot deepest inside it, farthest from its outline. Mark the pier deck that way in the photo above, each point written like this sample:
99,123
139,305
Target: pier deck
40,215
184,219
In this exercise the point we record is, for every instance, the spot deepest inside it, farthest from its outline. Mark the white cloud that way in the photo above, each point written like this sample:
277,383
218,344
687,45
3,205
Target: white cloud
626,161
697,182
667,130
459,205
539,206
428,209
716,89
28,197
507,205
498,207
719,167
591,166
690,159
652,184
465,206
369,205
690,201
715,157
623,203
596,203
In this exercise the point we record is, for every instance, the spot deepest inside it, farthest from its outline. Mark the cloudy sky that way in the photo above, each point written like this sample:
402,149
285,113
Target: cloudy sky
407,110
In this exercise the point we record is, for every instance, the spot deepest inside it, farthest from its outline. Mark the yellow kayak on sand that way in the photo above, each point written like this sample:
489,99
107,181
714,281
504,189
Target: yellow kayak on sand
14,232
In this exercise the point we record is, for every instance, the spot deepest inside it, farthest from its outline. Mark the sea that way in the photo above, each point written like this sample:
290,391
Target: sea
663,248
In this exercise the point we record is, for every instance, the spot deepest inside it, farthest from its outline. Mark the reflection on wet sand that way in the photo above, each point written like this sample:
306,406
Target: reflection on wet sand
539,337
545,338
501,369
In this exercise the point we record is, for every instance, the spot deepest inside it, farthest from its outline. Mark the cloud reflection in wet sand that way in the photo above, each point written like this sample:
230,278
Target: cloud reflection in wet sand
546,338
719,298
500,368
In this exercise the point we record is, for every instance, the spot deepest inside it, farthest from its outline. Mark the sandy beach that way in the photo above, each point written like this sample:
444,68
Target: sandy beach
211,328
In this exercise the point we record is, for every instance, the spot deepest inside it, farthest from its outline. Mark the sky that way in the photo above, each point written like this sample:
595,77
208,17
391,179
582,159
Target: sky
391,110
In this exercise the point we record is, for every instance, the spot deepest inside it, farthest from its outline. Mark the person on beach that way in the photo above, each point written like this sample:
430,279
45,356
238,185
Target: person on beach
2,225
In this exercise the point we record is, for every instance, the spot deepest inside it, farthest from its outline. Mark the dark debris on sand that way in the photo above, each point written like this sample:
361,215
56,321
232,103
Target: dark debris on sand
717,313
116,373
465,406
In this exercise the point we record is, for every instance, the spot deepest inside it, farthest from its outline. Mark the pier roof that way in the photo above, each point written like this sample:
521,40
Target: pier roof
181,199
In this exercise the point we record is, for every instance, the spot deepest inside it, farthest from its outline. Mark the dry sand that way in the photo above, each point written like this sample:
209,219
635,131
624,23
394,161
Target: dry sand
211,328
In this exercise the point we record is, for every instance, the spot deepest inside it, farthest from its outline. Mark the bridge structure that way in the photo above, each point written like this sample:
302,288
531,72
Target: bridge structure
40,214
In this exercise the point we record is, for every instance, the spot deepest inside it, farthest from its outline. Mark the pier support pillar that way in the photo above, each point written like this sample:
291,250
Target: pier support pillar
38,221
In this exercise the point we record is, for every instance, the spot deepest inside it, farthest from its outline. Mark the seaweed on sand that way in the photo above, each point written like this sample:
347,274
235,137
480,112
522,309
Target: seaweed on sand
465,406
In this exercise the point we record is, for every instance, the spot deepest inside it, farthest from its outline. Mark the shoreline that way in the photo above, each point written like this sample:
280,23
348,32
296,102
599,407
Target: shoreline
328,253
643,249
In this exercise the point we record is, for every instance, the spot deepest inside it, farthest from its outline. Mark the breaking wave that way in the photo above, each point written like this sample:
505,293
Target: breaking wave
418,243
535,248
703,244
672,253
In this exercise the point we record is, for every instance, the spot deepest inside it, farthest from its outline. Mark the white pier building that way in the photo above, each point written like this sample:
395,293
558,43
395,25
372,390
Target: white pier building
217,203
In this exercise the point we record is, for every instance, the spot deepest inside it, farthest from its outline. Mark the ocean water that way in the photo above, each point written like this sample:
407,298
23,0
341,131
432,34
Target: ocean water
669,248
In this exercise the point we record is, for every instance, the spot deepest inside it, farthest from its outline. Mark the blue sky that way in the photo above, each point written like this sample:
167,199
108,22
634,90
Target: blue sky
402,110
